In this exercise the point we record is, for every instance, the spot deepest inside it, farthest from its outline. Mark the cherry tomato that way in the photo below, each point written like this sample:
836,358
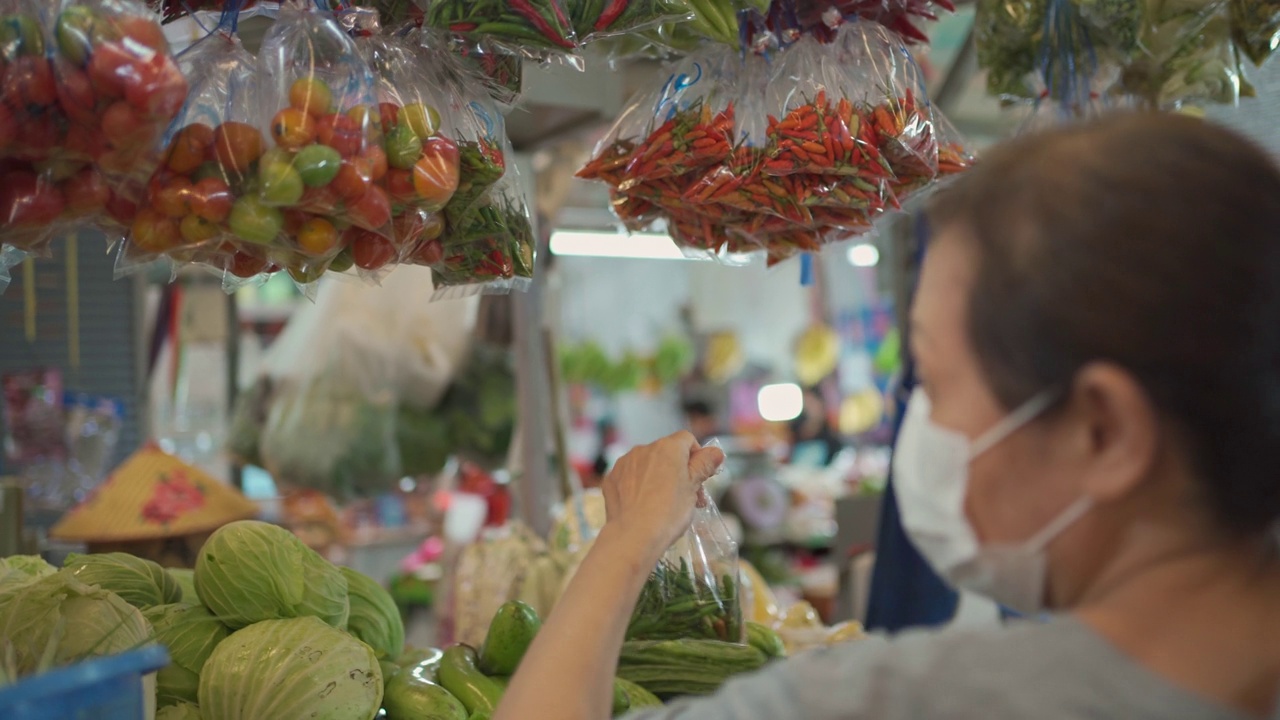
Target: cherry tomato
211,199
245,265
122,209
317,236
400,185
372,211
188,148
375,160
294,219
435,176
29,81
429,252
369,250
341,133
388,112
352,181
75,95
423,120
319,200
154,233
108,66
122,125
85,142
36,140
293,128
8,125
86,192
175,199
156,88
195,229
312,95
27,201
403,147
142,30
236,146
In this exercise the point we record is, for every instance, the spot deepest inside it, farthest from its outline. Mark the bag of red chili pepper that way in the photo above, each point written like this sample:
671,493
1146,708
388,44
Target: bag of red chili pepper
501,72
490,249
595,19
119,86
535,29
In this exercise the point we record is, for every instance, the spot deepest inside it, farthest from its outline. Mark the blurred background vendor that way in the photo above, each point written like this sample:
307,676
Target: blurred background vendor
814,442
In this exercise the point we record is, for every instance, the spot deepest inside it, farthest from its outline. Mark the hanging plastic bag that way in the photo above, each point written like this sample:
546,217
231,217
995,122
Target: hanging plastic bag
1255,25
195,204
694,592
9,257
1186,55
322,176
502,72
490,249
535,29
595,19
119,86
332,422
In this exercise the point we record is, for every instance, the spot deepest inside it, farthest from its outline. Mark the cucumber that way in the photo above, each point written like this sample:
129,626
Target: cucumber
412,697
417,656
765,640
459,675
389,670
510,634
621,702
637,696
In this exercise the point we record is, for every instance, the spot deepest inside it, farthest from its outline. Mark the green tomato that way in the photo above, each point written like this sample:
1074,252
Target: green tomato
306,275
253,221
342,262
422,119
281,184
74,32
20,35
403,148
317,164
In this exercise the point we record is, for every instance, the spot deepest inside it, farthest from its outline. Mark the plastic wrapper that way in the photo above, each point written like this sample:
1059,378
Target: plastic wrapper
9,257
423,162
32,122
899,16
194,206
489,249
1255,25
536,29
322,170
119,86
593,19
502,72
694,592
1186,55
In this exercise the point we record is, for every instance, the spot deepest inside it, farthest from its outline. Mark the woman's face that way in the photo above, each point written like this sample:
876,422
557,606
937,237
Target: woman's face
1022,483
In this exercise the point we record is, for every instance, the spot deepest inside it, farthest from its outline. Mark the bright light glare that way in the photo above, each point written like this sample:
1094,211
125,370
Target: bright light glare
780,403
645,246
864,255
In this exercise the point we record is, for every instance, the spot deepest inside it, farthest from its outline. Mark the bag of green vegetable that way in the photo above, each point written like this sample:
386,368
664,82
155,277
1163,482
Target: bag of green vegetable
191,633
490,248
297,668
671,668
535,29
250,571
1255,25
1185,55
56,620
141,583
694,590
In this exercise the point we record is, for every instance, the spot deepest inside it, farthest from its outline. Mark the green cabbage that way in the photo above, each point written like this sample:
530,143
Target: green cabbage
286,669
181,711
250,571
186,579
57,620
191,633
375,620
21,568
141,583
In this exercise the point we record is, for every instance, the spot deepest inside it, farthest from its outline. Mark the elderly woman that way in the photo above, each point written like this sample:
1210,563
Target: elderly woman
1097,328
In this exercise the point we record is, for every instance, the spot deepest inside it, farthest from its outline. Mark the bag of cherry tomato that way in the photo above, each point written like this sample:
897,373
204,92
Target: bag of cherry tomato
119,86
535,29
490,250
322,169
32,123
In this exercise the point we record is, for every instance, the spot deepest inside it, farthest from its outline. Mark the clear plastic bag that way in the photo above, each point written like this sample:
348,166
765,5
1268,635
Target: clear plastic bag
9,257
490,249
33,125
1186,55
501,72
595,19
536,29
1255,25
695,591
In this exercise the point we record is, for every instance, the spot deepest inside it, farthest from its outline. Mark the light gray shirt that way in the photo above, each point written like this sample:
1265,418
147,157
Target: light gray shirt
1047,671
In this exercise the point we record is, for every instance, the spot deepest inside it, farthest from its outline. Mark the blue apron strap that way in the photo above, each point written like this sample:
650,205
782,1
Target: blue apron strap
905,592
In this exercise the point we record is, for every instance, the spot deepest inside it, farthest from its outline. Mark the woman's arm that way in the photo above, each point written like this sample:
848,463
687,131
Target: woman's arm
567,674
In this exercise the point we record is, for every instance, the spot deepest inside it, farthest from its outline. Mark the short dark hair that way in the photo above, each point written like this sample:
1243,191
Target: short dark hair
1151,241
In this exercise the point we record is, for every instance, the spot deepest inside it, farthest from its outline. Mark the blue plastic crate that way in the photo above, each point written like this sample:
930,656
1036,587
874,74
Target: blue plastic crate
108,688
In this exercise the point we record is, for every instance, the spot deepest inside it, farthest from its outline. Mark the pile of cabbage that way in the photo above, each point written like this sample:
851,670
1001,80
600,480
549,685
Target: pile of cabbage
264,627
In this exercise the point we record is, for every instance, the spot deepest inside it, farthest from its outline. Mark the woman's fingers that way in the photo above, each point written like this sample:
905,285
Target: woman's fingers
704,463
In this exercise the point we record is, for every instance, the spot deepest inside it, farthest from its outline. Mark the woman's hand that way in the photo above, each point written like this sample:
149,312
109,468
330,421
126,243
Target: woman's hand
651,493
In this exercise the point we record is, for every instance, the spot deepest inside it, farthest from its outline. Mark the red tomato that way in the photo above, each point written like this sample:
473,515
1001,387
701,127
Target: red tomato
321,200
369,250
25,200
121,209
108,66
86,192
293,128
36,140
436,174
388,112
156,88
154,233
175,199
75,95
86,142
429,252
29,81
188,148
211,199
8,126
400,185
294,219
352,181
122,125
244,265
375,160
143,30
372,211
341,133
236,146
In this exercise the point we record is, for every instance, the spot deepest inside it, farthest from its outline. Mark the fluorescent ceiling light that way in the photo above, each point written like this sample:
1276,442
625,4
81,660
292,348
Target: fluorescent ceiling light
863,255
780,403
646,246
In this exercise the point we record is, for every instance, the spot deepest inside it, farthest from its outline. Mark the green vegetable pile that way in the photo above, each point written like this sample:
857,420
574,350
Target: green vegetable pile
588,364
271,629
1160,53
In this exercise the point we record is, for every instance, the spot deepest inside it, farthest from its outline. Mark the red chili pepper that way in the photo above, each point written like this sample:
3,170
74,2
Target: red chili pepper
525,9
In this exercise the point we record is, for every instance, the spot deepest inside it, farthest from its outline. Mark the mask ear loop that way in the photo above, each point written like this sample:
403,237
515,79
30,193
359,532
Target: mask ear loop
1012,422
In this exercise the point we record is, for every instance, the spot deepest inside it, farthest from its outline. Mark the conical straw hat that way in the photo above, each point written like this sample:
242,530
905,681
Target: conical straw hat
153,495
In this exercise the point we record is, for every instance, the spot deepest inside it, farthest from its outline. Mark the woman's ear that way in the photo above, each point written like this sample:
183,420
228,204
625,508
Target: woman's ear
1121,430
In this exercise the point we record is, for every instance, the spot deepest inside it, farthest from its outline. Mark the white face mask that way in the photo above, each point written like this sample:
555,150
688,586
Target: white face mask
931,477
